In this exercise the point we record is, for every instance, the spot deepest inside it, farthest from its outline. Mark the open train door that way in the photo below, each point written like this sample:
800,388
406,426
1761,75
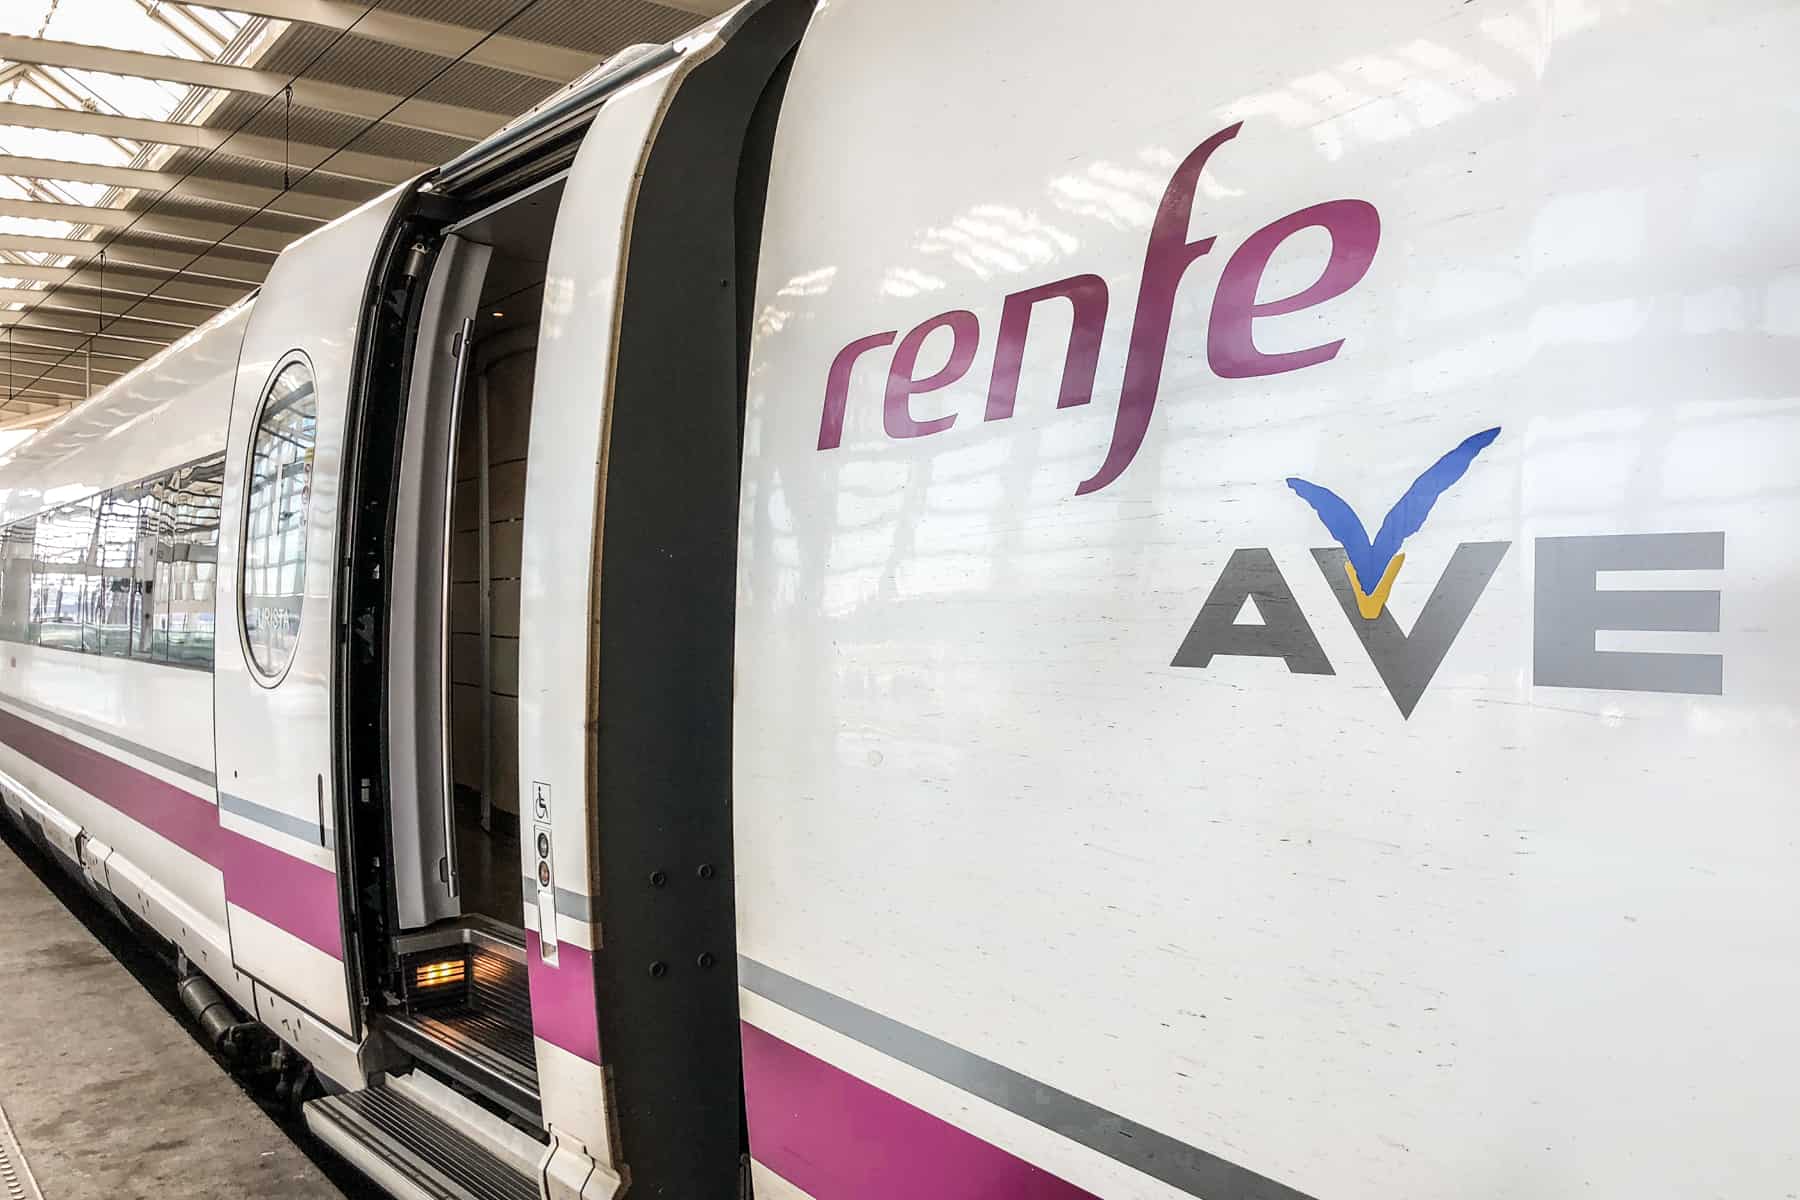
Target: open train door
272,684
630,554
565,1023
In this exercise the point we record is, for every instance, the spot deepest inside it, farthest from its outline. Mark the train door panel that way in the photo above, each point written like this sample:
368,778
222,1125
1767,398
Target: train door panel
630,519
272,681
426,875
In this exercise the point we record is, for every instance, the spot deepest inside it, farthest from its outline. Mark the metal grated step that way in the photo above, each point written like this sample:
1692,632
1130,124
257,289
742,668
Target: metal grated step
16,1182
484,1052
411,1152
485,1040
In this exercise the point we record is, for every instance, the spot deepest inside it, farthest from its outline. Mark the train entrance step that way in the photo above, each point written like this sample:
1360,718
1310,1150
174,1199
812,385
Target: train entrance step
474,1026
418,1140
477,1050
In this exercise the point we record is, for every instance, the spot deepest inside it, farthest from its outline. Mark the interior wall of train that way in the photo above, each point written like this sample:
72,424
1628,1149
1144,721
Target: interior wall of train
454,659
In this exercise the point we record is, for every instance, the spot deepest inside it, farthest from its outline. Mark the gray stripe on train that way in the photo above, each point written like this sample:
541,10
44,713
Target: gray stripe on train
166,761
573,905
294,827
1157,1155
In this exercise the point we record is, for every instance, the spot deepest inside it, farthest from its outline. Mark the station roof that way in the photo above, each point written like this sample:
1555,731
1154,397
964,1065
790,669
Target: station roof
155,156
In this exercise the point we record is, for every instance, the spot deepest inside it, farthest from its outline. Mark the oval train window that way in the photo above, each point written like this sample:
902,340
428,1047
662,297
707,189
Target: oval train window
280,485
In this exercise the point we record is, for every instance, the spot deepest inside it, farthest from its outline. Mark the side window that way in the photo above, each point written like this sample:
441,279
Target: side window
280,487
111,623
15,580
130,573
187,564
63,582
149,573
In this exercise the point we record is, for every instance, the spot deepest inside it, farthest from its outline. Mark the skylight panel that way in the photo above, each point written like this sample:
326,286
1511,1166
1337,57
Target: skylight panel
119,24
155,99
30,226
63,147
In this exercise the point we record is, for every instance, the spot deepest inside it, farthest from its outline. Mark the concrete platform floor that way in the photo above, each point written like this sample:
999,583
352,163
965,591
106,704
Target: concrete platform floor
109,1094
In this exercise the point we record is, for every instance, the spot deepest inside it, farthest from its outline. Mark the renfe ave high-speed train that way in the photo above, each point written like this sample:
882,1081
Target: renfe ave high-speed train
985,601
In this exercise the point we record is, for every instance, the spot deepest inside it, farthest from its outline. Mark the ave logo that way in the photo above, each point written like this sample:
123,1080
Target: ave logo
1569,608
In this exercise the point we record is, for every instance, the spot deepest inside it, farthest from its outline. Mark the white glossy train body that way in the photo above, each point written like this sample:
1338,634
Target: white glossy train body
1129,601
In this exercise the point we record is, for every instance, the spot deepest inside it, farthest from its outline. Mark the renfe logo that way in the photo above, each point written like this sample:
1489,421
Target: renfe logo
1231,351
1570,608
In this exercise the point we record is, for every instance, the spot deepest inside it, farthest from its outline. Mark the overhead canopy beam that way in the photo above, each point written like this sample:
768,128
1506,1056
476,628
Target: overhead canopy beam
36,419
32,397
115,279
191,283
81,327
50,389
15,348
21,392
33,411
269,241
75,379
211,268
119,312
64,366
65,331
36,400
308,205
702,8
430,116
53,341
53,332
540,60
23,381
80,356
107,369
24,373
123,279
349,164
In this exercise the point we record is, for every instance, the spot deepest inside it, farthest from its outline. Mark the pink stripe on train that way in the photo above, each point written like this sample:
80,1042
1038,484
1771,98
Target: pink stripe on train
837,1137
563,1009
287,892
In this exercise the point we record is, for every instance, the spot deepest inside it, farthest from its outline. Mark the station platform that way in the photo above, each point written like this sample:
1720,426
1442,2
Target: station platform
107,1093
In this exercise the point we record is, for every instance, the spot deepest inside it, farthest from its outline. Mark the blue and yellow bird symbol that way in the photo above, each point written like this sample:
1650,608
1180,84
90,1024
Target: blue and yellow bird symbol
1380,559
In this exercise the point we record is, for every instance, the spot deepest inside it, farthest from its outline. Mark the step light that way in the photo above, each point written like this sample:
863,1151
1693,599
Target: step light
436,978
439,974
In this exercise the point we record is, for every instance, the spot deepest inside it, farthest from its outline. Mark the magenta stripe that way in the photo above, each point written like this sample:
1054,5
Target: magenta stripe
837,1137
178,815
287,892
563,1010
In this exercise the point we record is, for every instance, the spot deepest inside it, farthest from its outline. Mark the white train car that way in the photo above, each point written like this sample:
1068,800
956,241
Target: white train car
986,601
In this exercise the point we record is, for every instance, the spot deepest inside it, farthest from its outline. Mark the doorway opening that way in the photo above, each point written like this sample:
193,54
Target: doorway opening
487,540
454,991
